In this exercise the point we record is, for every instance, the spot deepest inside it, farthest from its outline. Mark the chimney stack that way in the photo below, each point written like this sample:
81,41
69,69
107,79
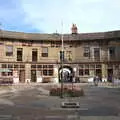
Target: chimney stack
74,29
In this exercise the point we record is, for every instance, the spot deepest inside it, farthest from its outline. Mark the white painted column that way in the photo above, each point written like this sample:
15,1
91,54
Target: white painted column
55,79
39,77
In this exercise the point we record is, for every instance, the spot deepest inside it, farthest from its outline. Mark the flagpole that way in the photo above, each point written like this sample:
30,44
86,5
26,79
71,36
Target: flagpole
62,52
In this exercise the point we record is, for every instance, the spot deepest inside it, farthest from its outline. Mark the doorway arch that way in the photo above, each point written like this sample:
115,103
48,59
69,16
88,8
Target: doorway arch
67,74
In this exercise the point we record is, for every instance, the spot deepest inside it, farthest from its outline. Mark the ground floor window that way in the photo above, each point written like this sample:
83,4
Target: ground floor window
84,69
46,70
7,68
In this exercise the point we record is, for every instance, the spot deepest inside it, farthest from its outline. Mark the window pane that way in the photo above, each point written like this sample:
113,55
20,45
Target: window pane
19,54
112,52
86,71
33,66
86,66
86,52
16,66
81,72
45,72
50,66
44,66
98,66
22,66
50,72
92,66
4,73
9,50
4,65
81,66
96,52
39,66
10,66
44,52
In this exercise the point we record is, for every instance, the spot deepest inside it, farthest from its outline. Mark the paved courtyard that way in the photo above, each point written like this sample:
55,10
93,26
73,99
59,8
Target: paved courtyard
33,103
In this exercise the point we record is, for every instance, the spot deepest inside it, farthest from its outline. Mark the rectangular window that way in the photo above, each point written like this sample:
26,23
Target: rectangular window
4,73
45,72
10,73
48,70
92,66
10,66
39,66
86,71
44,66
33,66
112,52
22,66
81,72
9,50
7,70
4,65
62,57
34,55
50,66
81,66
16,66
98,66
44,52
69,55
86,52
97,53
19,54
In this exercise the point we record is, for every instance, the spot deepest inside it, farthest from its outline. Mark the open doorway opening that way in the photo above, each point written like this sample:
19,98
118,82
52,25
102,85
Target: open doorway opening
34,55
22,76
67,74
33,76
110,75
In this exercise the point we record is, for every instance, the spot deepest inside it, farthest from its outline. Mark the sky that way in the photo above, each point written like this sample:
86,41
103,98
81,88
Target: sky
47,16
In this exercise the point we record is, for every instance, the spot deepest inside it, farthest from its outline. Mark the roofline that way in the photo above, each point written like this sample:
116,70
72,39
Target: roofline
57,37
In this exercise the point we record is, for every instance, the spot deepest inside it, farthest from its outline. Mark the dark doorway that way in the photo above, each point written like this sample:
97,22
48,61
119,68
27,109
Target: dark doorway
110,75
19,54
34,55
22,76
67,74
98,72
33,75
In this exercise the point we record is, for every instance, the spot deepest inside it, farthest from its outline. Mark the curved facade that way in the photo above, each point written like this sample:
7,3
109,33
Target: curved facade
29,57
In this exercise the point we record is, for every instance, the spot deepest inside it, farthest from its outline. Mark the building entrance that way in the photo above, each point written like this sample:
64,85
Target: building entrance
33,76
22,76
66,74
110,75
